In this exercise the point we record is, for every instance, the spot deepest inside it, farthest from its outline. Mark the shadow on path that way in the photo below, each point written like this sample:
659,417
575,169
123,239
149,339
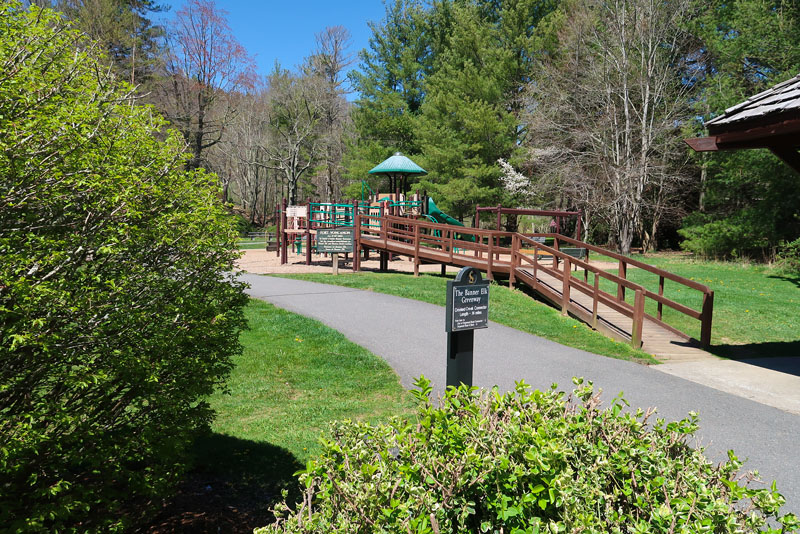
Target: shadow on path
231,489
783,356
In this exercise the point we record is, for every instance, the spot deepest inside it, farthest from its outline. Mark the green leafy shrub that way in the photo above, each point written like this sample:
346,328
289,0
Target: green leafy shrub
118,314
742,235
789,257
524,462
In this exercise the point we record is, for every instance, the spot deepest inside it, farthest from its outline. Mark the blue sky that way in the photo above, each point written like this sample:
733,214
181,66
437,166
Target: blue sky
285,29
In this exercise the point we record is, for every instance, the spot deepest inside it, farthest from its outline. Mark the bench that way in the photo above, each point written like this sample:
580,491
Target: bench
575,252
253,235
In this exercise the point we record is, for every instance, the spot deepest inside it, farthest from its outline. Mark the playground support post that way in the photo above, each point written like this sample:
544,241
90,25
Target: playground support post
308,231
278,235
356,213
284,244
357,242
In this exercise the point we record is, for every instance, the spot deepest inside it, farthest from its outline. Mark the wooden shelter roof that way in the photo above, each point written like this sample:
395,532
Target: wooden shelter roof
770,119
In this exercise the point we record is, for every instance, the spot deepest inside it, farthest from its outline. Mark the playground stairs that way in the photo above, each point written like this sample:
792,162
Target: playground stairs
559,273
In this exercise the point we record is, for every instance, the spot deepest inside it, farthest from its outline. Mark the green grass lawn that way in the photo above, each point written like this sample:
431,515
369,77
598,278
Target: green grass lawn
509,307
294,377
247,244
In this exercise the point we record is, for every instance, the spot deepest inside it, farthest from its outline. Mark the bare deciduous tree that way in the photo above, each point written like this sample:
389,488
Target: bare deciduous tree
204,65
329,63
295,109
612,104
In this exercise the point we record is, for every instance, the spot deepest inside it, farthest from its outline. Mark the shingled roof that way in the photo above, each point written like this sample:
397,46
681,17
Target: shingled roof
780,99
770,119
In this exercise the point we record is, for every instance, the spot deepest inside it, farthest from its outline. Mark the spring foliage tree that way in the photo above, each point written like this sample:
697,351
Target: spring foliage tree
205,65
117,312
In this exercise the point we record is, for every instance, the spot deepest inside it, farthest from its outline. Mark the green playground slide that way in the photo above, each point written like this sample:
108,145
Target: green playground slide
442,218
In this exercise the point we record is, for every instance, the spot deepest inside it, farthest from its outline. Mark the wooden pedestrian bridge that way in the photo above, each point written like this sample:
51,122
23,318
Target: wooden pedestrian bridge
560,273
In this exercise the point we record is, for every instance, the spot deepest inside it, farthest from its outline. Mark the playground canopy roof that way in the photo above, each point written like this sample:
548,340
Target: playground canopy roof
770,119
397,164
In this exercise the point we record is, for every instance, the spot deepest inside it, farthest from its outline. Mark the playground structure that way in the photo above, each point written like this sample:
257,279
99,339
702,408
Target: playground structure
393,225
547,272
297,225
413,226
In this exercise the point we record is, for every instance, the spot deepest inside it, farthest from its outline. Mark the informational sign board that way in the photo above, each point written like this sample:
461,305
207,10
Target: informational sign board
467,301
335,240
296,211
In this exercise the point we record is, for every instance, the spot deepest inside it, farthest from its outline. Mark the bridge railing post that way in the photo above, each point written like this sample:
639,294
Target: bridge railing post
452,243
705,325
565,288
623,273
595,299
638,319
489,258
514,260
555,258
416,248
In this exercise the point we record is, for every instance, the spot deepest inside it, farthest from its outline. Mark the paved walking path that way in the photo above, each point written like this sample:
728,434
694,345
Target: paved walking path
410,336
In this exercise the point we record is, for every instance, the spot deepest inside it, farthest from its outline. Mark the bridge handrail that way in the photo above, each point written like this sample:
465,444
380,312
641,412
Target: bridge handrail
409,230
704,316
636,263
636,312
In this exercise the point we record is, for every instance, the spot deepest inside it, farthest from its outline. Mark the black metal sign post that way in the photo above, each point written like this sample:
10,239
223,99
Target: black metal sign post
467,310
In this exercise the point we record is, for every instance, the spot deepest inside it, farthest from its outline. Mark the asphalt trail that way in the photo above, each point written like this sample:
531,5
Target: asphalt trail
410,336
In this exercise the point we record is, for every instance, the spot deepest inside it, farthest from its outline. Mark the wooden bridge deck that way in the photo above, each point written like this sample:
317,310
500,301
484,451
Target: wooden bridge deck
613,316
657,340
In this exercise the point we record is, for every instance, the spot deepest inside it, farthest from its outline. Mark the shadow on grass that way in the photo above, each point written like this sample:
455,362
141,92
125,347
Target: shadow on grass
792,278
232,487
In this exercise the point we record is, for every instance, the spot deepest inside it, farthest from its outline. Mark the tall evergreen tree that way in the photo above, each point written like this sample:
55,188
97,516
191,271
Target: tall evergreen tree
749,200
391,85
470,117
123,28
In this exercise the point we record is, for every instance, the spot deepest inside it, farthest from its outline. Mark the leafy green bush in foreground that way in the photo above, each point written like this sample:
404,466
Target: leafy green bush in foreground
524,462
118,315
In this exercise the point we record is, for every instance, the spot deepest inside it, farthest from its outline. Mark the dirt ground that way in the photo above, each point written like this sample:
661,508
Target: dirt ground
259,261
